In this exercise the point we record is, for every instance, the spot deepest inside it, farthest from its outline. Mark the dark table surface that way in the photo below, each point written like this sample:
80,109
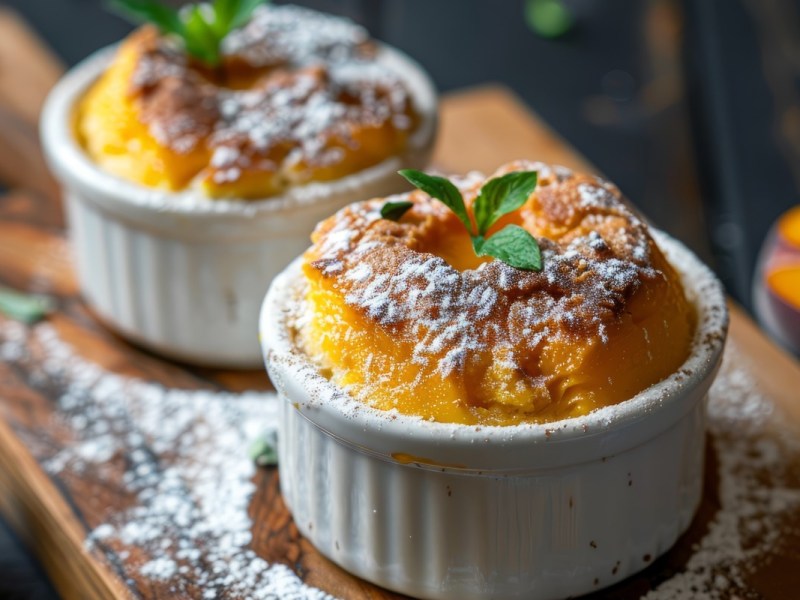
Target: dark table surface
692,108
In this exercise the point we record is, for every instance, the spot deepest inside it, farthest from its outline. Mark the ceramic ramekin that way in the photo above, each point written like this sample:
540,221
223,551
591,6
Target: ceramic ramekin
182,275
451,511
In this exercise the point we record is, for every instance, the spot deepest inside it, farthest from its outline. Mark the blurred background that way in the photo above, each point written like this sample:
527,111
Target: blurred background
691,106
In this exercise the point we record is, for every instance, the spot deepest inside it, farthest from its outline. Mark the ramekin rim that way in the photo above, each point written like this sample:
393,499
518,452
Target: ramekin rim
70,161
706,294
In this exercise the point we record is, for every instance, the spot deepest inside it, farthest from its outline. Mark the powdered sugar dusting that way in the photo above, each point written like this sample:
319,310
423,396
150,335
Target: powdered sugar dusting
451,315
186,470
279,34
756,458
287,300
317,84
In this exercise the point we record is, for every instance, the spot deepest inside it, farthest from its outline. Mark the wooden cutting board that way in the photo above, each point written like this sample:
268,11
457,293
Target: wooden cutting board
480,129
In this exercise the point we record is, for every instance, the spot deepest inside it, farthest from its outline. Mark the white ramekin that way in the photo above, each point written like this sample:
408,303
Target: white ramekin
536,511
184,275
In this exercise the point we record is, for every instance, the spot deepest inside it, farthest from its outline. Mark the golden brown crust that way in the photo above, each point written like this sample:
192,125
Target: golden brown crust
405,316
177,103
597,253
298,97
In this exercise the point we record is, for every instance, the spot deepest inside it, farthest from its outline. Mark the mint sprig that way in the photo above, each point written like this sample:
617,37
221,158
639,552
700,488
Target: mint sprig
201,27
27,308
498,197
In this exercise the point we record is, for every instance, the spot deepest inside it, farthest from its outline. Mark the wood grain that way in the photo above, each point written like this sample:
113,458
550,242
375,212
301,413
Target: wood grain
481,129
469,140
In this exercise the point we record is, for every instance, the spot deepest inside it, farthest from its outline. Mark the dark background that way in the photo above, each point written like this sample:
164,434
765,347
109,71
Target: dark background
692,107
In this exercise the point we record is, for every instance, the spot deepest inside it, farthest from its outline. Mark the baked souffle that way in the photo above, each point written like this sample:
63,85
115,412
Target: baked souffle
404,315
297,97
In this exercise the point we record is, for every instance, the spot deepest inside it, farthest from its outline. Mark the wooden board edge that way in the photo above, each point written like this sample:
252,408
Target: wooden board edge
40,516
463,103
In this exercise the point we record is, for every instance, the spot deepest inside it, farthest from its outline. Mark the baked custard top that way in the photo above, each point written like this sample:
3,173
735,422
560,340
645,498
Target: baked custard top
299,96
405,316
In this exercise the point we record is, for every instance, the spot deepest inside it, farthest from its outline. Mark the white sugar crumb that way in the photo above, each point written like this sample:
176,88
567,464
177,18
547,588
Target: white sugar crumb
187,470
596,196
160,569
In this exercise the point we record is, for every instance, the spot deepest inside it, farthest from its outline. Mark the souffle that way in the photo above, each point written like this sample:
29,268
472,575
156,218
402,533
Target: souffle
298,97
406,317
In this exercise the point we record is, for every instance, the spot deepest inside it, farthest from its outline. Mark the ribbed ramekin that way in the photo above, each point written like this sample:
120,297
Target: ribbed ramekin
437,510
184,275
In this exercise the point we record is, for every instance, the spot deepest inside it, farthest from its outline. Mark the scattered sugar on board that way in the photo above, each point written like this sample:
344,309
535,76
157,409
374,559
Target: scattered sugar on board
191,476
754,491
186,466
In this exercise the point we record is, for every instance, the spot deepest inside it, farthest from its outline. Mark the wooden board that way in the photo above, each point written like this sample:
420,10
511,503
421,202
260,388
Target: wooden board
481,129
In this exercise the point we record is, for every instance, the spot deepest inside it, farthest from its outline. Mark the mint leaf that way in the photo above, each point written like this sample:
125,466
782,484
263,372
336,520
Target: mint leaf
24,307
548,18
200,38
514,246
394,211
264,449
224,12
232,14
164,17
442,189
502,195
242,12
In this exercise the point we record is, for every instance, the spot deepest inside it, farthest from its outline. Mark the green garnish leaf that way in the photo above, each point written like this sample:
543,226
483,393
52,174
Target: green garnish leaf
548,18
164,17
201,27
264,449
201,39
499,196
232,14
28,308
514,246
394,211
442,189
502,195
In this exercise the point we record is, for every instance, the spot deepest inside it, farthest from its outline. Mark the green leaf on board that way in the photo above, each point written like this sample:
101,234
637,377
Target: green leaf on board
27,308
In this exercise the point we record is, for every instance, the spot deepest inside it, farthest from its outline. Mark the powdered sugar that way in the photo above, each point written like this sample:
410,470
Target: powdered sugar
452,315
279,34
186,469
317,83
